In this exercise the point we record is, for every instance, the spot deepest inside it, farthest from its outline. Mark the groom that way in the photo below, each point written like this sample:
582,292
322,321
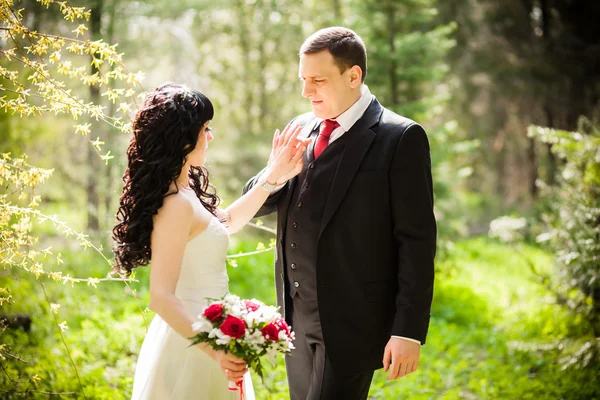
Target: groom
356,234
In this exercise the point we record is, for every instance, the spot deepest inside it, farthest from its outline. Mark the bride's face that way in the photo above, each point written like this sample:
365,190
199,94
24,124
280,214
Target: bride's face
198,156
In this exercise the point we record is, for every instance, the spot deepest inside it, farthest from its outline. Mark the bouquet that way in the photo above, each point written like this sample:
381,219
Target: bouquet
248,329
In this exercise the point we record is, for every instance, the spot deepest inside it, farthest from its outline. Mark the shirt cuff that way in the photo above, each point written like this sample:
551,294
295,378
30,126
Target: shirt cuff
409,339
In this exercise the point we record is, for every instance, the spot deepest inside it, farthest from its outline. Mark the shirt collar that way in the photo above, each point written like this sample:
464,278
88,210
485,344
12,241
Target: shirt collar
349,117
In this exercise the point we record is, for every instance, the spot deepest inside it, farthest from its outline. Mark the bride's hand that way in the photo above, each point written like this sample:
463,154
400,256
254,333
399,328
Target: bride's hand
232,367
278,140
285,160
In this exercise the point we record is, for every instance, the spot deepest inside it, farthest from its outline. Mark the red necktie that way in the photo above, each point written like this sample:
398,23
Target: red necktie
327,126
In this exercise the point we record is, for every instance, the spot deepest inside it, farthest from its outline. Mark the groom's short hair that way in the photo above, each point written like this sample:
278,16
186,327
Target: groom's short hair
346,47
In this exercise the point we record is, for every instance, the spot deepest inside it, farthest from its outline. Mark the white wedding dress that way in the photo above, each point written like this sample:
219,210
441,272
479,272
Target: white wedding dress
167,367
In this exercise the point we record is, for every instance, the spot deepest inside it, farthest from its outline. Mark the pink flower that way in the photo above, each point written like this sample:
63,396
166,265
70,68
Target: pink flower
282,326
251,306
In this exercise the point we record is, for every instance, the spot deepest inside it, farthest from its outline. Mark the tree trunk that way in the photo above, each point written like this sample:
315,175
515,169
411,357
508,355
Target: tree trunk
245,48
262,69
552,162
337,9
533,169
548,48
111,176
499,146
93,198
391,22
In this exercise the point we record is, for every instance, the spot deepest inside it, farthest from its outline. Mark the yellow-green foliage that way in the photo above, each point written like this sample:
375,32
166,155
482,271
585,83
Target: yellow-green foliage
40,71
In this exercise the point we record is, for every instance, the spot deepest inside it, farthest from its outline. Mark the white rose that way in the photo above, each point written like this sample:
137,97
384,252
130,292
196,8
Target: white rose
231,299
203,325
269,314
225,341
215,333
236,310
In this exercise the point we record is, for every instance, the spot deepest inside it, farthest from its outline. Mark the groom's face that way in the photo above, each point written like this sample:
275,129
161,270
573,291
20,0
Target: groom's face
328,89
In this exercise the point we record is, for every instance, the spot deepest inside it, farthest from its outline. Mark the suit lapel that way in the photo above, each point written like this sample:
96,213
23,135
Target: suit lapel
309,154
360,137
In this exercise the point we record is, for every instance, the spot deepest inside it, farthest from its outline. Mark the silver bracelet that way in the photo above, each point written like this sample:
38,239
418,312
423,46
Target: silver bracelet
267,186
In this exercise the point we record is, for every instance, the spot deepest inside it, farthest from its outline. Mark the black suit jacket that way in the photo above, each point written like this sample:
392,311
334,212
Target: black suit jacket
377,240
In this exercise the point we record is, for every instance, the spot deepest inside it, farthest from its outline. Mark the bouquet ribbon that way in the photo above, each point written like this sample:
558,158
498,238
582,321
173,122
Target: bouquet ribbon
239,385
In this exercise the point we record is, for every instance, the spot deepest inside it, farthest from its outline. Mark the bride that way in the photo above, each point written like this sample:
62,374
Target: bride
169,218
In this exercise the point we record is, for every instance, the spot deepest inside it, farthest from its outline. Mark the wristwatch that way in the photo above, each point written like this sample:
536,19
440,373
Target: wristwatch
268,186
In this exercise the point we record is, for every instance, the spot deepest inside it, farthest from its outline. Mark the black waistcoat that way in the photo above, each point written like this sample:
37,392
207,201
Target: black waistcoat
304,219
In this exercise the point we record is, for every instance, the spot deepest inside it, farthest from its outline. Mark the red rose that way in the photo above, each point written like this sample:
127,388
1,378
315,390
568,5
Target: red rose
214,312
270,332
233,326
251,306
282,326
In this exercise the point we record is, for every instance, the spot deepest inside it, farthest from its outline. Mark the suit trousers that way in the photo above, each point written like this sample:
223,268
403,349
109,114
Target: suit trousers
310,373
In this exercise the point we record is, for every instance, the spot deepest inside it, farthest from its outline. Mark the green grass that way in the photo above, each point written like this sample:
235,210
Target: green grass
487,311
494,332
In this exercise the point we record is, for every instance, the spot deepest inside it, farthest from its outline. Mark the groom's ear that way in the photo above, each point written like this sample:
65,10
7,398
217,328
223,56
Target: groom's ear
355,76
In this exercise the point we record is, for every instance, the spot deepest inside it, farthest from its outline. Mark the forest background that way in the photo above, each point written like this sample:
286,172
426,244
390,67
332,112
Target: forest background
508,91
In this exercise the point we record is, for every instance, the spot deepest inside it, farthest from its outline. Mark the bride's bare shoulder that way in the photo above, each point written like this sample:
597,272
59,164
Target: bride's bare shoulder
176,205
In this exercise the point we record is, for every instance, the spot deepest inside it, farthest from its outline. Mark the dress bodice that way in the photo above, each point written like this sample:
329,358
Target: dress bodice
168,368
203,268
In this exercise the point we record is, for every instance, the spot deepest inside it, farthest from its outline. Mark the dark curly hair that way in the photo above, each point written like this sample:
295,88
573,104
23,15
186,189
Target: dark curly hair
165,131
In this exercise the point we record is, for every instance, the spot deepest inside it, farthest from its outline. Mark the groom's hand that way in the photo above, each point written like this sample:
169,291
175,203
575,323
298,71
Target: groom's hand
401,357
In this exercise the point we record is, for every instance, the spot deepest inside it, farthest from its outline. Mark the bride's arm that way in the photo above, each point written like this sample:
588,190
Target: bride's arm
170,234
238,214
285,162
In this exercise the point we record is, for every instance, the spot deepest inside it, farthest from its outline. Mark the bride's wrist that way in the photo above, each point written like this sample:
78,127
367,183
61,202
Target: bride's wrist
209,351
269,177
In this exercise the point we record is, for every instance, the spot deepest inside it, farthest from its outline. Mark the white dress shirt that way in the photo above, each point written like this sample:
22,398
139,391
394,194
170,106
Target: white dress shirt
348,118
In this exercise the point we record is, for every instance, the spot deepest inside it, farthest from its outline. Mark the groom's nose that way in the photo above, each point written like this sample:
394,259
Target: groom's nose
308,89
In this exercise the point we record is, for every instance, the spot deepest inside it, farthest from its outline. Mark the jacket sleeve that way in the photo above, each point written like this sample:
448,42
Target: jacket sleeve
414,231
270,204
